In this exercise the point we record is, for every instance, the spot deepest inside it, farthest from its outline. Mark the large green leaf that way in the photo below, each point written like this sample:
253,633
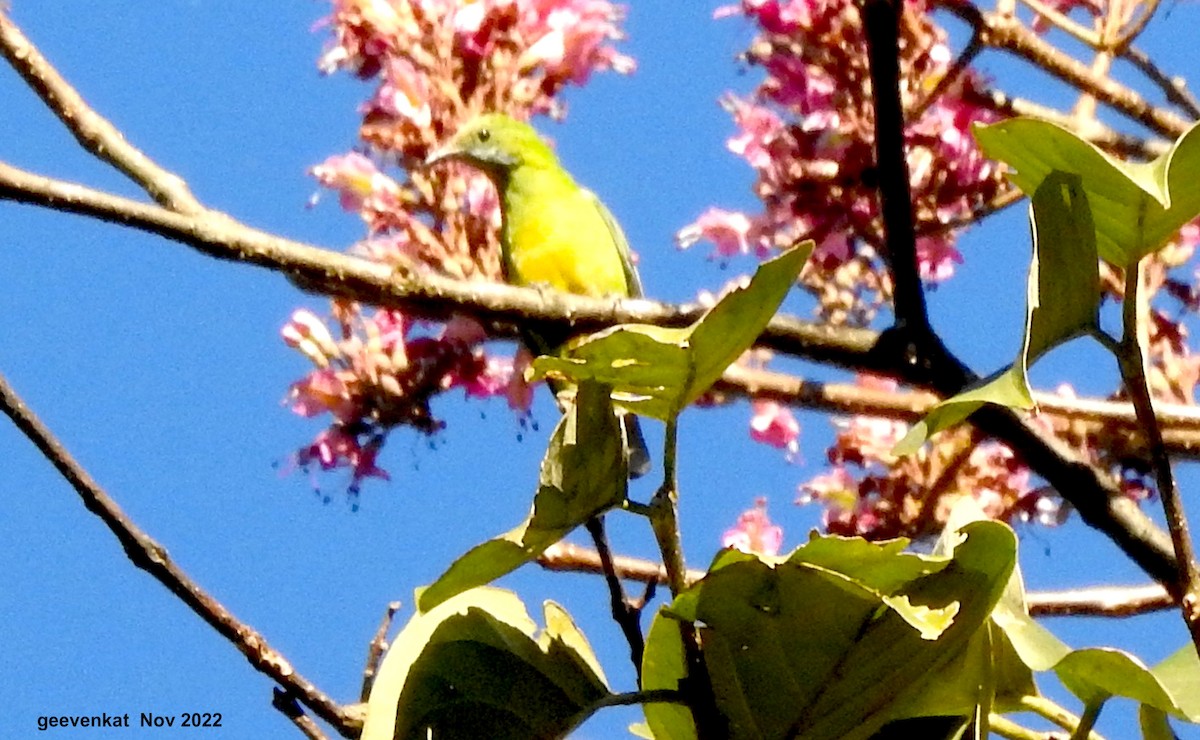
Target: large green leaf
840,637
1138,207
1096,674
583,474
658,371
472,668
1062,302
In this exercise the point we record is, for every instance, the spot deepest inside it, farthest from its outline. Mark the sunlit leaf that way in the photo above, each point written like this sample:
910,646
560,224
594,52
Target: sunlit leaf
472,667
1062,302
806,647
583,474
658,371
1137,206
664,667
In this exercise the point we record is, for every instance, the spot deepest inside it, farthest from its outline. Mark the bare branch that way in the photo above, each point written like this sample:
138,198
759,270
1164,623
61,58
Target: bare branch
502,306
1105,601
625,614
286,704
93,132
1097,133
375,651
147,554
1008,34
1086,418
1173,87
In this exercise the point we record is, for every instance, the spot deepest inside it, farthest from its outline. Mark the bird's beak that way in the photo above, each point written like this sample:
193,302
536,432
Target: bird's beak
445,151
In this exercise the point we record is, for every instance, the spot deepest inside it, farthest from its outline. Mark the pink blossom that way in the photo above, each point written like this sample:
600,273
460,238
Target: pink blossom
322,391
520,390
754,532
759,129
936,257
494,379
335,448
729,231
405,93
309,334
774,424
358,181
571,41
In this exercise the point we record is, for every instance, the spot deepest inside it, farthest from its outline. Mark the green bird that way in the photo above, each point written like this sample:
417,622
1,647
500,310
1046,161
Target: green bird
554,233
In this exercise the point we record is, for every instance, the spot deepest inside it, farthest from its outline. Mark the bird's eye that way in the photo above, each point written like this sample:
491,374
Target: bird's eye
484,134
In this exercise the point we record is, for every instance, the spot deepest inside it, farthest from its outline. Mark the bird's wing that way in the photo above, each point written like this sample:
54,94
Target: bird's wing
632,281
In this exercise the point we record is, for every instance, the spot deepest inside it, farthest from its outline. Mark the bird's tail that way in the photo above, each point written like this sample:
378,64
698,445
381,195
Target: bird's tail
636,452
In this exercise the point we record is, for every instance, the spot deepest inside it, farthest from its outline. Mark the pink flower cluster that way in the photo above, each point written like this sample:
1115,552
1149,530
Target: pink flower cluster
870,492
381,373
807,132
436,64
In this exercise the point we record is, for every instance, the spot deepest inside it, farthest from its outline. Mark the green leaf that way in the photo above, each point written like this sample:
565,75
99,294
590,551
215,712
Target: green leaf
658,371
815,648
1180,675
1138,207
1006,388
1064,276
1153,724
583,475
1096,674
1062,302
664,667
472,668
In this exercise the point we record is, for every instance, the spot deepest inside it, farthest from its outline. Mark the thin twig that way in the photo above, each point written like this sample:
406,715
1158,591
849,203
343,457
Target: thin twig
287,705
93,132
1174,88
626,615
1109,139
1049,710
970,51
664,520
1100,601
1132,360
375,651
147,554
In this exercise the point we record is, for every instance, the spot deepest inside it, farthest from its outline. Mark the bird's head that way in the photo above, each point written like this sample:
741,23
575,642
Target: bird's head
495,144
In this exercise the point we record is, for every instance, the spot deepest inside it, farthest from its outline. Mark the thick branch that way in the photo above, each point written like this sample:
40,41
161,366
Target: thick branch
147,554
881,18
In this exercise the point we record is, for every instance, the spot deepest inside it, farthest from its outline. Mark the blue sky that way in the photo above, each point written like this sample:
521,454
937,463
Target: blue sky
162,370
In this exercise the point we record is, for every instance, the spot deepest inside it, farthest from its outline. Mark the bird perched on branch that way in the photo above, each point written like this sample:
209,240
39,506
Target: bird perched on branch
554,232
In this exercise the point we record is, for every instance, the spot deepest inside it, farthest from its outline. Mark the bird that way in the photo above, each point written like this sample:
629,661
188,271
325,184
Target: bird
553,234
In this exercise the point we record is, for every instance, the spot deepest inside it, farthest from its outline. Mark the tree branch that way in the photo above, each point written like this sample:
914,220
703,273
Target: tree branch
881,19
502,306
1005,32
93,132
147,554
1174,88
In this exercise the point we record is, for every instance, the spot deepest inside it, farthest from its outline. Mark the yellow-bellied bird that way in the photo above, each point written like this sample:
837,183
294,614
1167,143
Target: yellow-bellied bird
554,232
